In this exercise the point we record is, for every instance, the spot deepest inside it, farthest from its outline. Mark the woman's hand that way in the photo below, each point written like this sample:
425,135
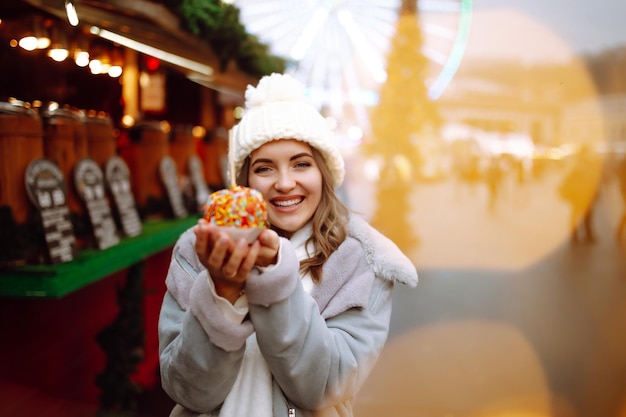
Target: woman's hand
268,252
229,263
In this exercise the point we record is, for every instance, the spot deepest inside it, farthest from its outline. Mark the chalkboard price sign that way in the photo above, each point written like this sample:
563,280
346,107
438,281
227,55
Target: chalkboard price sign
196,173
89,183
169,176
45,186
117,177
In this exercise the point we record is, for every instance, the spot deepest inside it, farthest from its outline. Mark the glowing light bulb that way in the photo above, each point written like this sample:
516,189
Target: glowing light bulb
198,131
28,42
115,71
128,120
43,42
81,58
95,66
58,54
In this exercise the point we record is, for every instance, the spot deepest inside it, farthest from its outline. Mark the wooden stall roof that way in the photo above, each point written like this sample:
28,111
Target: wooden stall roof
154,25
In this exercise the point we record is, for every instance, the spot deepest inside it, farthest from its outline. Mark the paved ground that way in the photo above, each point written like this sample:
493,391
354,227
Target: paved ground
510,318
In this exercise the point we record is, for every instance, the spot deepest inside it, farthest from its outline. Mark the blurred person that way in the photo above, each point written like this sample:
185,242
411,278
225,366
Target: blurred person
580,188
493,177
293,323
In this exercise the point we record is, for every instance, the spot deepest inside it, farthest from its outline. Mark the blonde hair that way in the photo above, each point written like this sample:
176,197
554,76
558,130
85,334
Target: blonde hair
329,222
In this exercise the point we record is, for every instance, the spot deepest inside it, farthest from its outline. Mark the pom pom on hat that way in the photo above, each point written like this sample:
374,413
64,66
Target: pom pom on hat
277,109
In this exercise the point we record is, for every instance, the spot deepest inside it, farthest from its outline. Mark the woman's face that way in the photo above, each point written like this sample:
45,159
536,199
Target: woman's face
285,172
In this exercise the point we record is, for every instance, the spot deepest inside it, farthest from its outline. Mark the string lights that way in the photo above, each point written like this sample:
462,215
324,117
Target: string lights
62,42
39,33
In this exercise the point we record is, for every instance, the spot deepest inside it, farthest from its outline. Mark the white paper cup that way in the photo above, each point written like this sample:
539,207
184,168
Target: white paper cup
236,233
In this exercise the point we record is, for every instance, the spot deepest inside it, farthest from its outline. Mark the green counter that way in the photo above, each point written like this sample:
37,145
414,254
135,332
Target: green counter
56,281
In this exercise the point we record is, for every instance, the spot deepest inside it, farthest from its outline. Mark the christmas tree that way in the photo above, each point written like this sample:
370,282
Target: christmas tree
403,113
404,110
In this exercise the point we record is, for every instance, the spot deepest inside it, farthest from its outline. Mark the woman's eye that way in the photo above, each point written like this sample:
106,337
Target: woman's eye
261,169
302,164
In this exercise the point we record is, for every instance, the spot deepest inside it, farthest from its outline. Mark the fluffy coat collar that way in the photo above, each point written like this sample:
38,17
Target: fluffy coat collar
383,256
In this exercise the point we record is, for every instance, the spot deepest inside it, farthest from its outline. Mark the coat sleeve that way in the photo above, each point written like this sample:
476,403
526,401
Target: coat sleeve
200,352
319,362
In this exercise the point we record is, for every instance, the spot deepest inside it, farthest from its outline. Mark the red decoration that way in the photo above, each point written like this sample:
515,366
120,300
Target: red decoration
152,63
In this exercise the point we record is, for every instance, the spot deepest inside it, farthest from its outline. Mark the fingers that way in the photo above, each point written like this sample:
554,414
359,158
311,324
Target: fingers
224,265
250,259
219,252
234,264
211,245
269,245
202,239
231,262
269,238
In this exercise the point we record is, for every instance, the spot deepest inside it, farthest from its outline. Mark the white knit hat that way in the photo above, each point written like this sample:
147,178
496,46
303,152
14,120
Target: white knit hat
277,109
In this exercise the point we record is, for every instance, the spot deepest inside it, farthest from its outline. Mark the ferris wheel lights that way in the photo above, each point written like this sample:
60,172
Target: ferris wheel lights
355,133
309,33
454,60
339,48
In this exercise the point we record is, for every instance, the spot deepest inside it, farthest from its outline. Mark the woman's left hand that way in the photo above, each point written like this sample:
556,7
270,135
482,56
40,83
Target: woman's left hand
229,262
268,252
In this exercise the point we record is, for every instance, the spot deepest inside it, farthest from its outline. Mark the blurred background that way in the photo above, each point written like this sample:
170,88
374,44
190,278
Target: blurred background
486,138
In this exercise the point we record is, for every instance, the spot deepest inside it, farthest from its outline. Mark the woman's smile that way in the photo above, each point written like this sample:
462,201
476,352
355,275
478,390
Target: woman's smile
287,203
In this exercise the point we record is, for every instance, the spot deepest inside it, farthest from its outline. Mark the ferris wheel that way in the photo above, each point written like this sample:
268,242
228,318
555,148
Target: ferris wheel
338,48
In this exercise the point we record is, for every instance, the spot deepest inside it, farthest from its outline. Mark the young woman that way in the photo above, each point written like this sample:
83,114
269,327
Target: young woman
293,323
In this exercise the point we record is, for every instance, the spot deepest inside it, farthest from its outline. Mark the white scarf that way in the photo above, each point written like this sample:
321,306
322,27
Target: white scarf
251,395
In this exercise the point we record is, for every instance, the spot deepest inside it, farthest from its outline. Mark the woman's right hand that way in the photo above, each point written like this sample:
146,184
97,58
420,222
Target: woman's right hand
229,262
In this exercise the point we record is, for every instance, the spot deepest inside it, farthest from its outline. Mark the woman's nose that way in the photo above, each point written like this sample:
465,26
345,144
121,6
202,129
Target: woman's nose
284,181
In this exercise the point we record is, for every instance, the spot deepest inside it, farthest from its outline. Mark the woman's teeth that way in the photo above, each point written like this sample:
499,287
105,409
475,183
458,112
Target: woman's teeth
287,203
